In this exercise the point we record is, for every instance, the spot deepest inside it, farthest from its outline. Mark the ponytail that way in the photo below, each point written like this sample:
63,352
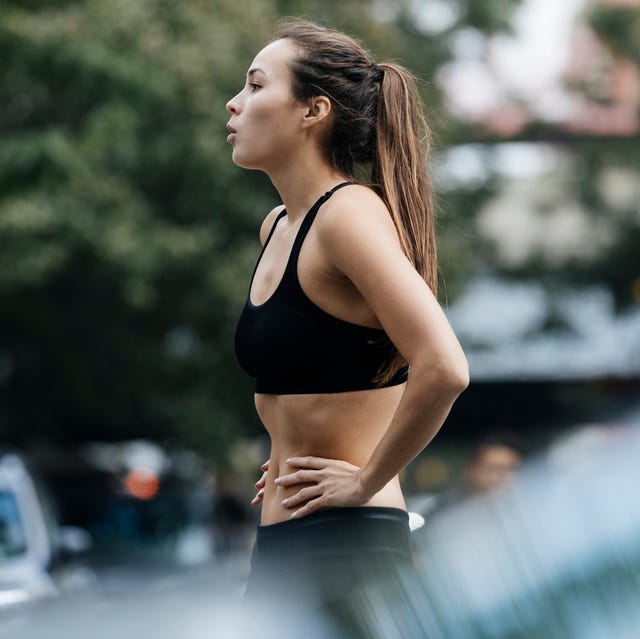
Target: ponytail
399,173
399,168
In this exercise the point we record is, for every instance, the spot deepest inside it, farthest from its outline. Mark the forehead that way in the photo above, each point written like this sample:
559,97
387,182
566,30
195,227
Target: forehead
274,59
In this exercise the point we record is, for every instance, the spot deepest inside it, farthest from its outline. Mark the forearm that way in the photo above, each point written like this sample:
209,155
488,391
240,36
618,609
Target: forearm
422,411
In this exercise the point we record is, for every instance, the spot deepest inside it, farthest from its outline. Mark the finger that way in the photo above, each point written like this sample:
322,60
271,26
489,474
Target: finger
309,462
265,466
256,500
301,496
308,508
262,481
299,477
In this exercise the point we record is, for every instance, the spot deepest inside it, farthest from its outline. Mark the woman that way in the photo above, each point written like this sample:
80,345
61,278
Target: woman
341,304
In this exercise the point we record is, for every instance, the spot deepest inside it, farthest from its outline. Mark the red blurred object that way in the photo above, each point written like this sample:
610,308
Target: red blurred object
142,483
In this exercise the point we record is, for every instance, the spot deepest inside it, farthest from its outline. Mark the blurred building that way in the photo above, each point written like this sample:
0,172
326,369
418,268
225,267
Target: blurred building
607,100
555,68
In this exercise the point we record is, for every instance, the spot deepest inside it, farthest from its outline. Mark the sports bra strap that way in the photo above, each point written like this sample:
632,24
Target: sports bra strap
325,197
310,217
330,192
275,223
312,212
302,231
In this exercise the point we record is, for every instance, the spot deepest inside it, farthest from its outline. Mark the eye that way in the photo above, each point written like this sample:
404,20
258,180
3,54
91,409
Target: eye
253,86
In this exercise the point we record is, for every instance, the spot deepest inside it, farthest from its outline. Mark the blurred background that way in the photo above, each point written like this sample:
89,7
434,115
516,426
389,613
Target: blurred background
129,442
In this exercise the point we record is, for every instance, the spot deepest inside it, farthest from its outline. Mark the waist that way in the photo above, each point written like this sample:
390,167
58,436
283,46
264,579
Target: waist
321,424
273,513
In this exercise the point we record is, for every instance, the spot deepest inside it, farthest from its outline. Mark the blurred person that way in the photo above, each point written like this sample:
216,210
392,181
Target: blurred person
492,463
489,467
356,366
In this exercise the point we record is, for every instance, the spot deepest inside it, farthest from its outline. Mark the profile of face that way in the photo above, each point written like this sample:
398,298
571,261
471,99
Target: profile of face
492,468
266,120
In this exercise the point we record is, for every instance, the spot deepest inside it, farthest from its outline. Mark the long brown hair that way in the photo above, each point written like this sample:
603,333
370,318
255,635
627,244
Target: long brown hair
378,125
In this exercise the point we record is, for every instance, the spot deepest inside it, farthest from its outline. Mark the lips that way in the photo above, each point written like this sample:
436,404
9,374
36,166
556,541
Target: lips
232,133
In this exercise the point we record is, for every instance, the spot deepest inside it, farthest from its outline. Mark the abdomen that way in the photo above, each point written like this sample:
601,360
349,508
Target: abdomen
345,426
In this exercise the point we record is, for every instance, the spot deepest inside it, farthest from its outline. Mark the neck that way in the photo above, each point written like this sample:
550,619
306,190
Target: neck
301,182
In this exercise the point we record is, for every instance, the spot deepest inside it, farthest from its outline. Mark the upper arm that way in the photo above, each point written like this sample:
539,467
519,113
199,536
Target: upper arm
268,222
360,240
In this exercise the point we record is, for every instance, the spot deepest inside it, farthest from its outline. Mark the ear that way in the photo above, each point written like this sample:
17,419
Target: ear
318,110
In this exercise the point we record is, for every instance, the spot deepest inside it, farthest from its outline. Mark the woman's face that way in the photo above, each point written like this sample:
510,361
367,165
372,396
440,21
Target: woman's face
265,118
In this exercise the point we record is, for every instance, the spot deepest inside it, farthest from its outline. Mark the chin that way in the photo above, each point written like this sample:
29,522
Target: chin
245,163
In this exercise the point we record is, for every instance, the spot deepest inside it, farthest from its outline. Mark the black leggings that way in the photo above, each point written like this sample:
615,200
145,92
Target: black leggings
328,555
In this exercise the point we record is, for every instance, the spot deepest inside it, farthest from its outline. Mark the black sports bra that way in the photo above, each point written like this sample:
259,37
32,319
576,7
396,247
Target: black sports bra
291,346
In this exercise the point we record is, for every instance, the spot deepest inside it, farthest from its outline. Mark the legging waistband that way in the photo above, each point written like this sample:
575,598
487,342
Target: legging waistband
321,517
350,529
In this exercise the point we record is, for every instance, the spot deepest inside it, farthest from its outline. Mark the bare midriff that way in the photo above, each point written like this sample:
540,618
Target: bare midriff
345,426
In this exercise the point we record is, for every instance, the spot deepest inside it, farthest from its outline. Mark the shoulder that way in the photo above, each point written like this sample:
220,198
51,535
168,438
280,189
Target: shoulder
268,222
355,214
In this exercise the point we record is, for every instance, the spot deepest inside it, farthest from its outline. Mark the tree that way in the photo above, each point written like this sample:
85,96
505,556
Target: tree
124,227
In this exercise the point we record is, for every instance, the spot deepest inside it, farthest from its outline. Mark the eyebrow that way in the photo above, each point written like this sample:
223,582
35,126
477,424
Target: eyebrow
250,72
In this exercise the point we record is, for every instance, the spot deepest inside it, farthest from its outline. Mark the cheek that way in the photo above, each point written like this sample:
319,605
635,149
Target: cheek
268,129
272,119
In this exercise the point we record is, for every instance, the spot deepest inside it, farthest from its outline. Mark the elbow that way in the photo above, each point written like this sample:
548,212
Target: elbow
459,378
446,378
455,371
453,378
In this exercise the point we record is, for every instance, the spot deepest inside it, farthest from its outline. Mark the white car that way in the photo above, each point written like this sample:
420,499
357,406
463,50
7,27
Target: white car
33,547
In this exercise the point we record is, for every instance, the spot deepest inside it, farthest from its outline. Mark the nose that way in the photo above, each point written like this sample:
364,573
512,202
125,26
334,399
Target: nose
233,105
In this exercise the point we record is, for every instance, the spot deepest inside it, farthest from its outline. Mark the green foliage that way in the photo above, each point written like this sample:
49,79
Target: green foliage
617,267
488,16
619,28
123,222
